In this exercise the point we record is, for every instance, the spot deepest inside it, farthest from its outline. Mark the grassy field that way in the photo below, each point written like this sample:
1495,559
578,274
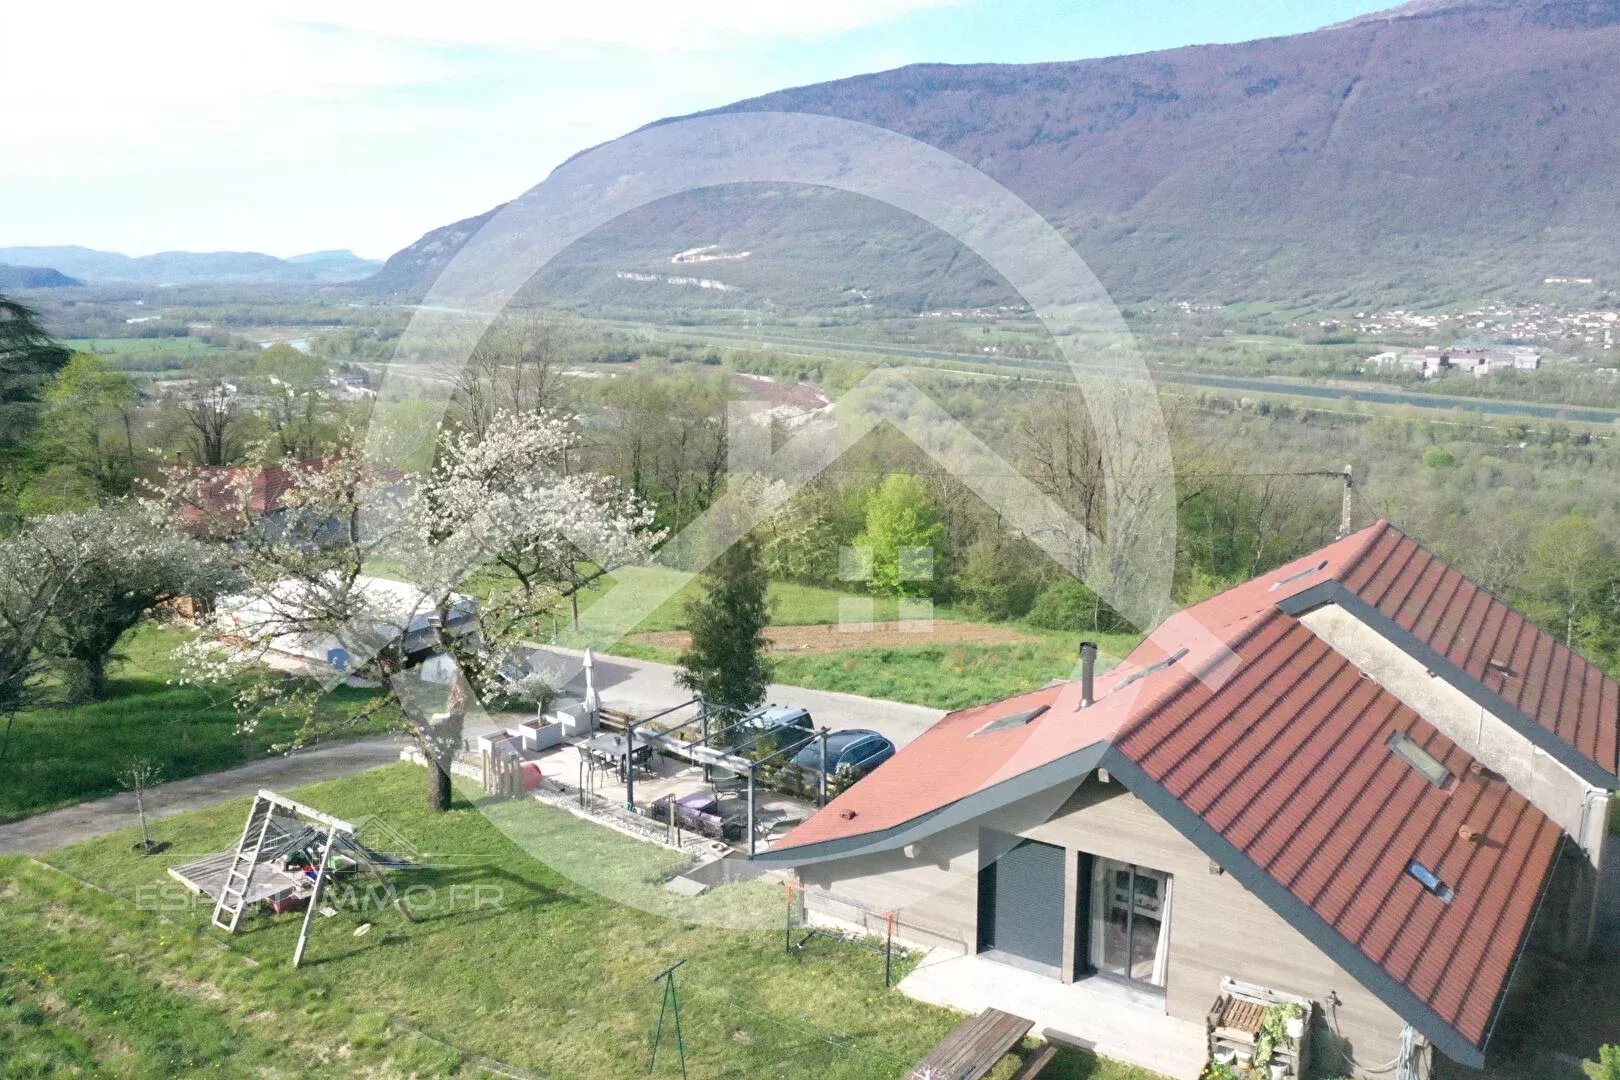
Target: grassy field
944,677
604,611
140,346
553,981
64,755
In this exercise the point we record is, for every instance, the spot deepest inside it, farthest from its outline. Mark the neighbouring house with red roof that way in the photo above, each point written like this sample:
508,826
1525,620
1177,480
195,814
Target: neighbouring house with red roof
1359,779
221,500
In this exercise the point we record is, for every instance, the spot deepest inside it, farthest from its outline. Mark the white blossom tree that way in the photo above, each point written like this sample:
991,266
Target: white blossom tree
26,602
107,569
316,574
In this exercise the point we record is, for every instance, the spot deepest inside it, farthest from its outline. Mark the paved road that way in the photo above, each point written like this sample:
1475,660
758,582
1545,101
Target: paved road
643,687
71,824
1382,395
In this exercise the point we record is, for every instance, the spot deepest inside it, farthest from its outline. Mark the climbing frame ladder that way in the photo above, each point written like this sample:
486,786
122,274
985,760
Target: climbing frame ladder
233,893
239,878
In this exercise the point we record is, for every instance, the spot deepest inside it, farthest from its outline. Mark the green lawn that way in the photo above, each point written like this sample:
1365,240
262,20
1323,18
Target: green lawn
792,604
140,346
553,981
944,676
68,754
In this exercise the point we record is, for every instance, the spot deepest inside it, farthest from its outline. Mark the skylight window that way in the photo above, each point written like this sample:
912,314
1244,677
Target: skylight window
1402,746
1431,881
1017,719
1152,668
1298,575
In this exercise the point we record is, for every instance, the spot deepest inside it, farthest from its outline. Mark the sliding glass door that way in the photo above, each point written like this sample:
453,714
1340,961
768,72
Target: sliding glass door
1130,908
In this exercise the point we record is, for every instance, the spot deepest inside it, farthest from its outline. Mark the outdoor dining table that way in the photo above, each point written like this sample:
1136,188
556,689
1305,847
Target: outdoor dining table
609,745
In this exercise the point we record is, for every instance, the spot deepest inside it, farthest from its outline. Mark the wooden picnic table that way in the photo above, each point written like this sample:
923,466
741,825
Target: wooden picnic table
974,1047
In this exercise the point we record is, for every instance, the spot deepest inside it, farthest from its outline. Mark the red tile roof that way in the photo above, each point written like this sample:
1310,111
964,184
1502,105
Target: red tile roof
1288,763
1272,744
225,494
1490,642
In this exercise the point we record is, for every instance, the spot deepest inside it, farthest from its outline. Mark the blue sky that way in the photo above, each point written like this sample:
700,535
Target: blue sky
313,124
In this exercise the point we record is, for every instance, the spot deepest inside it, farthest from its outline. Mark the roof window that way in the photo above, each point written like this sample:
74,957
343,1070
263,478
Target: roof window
1152,669
1431,881
1299,575
1402,746
1017,719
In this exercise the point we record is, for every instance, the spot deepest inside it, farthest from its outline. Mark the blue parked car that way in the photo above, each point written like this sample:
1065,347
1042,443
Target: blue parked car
857,748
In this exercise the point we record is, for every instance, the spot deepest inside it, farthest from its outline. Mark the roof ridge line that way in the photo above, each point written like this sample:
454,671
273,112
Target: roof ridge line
1375,532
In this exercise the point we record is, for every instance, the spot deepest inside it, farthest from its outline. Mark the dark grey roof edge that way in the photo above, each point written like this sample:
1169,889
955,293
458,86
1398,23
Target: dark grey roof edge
1544,738
1070,767
1407,1005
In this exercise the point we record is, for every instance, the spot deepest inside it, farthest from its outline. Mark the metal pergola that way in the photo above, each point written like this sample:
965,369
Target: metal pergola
702,751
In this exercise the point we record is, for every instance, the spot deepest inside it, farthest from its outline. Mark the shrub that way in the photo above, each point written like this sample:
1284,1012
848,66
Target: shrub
997,581
1606,1067
1071,605
1436,458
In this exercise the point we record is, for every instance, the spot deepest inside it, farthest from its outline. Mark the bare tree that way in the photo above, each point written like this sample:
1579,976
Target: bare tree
213,417
1060,453
516,367
26,603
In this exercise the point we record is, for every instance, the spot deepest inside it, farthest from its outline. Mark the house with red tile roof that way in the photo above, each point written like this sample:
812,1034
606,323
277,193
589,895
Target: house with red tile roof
1359,781
221,500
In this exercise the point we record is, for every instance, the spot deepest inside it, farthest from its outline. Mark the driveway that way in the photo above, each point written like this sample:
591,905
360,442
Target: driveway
86,820
640,687
643,687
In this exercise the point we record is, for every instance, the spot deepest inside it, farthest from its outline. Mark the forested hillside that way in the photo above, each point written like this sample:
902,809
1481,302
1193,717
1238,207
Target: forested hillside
1433,152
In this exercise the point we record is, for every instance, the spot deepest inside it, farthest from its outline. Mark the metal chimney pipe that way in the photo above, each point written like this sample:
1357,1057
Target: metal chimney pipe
1088,673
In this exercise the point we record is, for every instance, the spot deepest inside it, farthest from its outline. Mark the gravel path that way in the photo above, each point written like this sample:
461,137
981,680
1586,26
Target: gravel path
635,686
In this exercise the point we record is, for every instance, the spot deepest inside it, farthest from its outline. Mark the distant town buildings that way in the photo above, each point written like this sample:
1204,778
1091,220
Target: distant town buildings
1590,329
1433,361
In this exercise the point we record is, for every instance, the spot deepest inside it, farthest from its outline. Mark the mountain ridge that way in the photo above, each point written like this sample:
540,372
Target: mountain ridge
94,267
1437,150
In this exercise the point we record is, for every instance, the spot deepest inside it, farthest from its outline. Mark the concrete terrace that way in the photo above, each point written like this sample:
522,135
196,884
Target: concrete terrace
1112,1021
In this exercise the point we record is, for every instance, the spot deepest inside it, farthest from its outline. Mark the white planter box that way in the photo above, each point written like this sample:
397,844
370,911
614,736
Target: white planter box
541,734
575,723
487,743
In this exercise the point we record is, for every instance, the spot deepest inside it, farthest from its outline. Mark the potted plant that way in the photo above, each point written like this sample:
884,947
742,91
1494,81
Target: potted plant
1283,1024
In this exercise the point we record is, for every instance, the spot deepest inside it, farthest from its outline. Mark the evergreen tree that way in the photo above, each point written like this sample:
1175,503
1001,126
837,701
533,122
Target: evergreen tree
29,359
726,662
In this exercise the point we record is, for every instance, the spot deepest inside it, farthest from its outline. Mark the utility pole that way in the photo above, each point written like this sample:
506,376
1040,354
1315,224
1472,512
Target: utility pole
1348,509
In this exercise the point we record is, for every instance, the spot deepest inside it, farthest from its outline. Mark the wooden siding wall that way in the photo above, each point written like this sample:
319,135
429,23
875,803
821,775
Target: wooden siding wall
1217,927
